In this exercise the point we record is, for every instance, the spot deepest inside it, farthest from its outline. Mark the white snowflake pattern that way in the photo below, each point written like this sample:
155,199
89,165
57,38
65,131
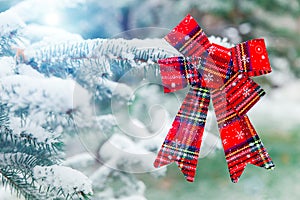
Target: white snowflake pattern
246,92
208,77
240,135
211,50
245,59
176,143
225,141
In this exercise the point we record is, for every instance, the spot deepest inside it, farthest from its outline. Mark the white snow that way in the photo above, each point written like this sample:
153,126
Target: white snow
27,70
220,41
7,195
10,21
47,94
35,129
7,66
119,90
81,160
136,157
68,179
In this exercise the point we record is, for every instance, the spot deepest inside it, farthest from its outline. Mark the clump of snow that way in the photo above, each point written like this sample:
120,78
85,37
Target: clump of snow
220,41
81,161
70,180
35,130
10,21
100,175
47,94
119,90
127,55
137,158
127,184
27,70
7,65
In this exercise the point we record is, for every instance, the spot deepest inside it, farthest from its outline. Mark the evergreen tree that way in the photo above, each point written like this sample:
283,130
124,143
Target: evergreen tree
57,87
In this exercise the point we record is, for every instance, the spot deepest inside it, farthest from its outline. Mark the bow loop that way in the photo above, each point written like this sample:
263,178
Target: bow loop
188,38
178,72
251,57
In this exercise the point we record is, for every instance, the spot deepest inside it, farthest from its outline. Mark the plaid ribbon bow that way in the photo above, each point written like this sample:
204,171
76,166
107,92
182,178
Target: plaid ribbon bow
222,74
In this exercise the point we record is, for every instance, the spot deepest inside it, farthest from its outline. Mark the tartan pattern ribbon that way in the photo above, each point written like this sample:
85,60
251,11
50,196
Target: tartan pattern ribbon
223,75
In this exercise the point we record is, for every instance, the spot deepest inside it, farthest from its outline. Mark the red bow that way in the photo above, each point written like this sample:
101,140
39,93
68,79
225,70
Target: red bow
222,74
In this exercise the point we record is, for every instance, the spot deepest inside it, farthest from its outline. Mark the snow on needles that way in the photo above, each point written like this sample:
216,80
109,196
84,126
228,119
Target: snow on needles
66,178
33,128
47,94
9,21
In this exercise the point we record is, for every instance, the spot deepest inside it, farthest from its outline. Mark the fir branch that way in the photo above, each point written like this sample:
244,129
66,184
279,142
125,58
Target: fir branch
20,161
4,119
10,25
19,155
25,143
18,183
67,59
9,45
59,181
91,62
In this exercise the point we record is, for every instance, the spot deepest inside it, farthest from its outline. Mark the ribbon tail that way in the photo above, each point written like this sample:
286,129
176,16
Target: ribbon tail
248,149
241,143
182,144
